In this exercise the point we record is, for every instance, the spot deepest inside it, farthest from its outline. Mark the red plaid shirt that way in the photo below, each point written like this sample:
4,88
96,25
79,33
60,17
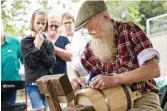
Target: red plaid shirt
130,41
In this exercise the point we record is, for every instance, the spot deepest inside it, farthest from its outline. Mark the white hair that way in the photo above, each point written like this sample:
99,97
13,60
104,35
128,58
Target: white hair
106,13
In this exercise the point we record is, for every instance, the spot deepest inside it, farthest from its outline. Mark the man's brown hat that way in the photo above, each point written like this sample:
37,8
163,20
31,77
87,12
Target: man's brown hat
87,10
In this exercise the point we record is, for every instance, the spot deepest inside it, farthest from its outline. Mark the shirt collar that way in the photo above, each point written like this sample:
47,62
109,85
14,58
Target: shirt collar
116,29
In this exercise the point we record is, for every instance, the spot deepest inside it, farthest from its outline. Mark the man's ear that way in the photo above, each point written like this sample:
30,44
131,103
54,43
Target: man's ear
105,17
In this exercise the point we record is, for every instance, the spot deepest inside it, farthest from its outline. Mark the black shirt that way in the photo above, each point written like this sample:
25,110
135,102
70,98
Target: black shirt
37,62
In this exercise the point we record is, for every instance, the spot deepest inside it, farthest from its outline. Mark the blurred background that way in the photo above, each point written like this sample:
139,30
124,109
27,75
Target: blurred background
16,14
150,15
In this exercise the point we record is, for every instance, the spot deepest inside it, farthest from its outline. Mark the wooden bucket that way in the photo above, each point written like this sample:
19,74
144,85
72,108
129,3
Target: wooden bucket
119,98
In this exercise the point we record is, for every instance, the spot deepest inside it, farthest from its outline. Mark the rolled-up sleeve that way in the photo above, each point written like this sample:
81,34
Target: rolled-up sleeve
146,55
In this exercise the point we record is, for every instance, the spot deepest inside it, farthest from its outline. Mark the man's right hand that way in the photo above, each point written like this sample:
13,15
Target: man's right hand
77,83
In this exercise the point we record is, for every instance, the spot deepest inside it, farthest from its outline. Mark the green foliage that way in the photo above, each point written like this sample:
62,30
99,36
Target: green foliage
126,11
44,4
151,9
75,0
12,14
16,20
114,9
16,16
137,11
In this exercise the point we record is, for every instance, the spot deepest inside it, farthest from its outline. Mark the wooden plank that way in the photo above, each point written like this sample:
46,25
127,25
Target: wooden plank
66,99
57,89
44,87
62,84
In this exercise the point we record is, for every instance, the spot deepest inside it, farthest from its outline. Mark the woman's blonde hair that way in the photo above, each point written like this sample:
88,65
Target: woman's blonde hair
38,12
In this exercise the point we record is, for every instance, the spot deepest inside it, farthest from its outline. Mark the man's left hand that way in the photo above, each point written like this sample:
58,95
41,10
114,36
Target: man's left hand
103,81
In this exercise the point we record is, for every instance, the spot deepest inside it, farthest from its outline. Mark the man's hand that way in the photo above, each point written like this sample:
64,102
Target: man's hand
38,39
102,81
77,83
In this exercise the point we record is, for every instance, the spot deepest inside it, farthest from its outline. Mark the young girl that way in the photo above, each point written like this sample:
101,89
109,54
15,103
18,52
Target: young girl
39,58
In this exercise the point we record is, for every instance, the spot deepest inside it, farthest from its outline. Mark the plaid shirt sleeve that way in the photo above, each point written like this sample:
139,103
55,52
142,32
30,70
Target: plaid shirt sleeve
143,48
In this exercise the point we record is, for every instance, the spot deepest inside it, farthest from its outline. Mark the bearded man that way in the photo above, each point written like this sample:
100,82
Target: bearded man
119,53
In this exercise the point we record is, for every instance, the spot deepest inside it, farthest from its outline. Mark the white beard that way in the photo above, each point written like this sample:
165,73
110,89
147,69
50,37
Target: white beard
104,48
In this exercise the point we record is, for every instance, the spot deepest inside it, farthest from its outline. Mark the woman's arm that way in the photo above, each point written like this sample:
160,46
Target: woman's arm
66,55
47,56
